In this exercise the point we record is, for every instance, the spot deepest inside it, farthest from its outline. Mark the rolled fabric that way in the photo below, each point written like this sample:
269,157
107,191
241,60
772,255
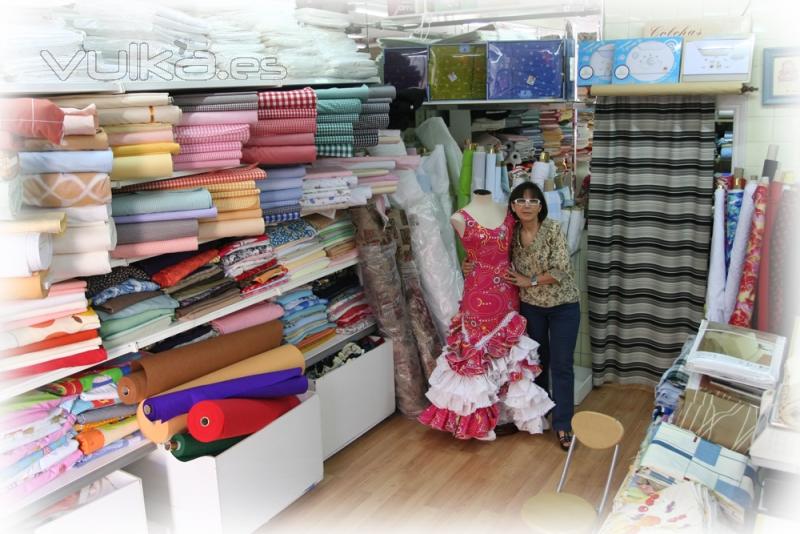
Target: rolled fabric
142,167
277,195
152,248
382,91
282,127
739,250
90,238
62,190
161,134
743,309
109,412
261,386
25,253
297,139
231,228
10,198
215,98
212,133
576,223
264,114
24,287
207,156
732,210
98,141
219,117
478,170
279,155
211,147
52,329
113,101
66,266
69,162
254,315
715,289
339,105
305,98
774,194
80,215
207,165
247,202
32,118
238,214
185,448
167,216
155,231
361,92
88,357
157,373
139,115
228,418
160,201
145,149
95,439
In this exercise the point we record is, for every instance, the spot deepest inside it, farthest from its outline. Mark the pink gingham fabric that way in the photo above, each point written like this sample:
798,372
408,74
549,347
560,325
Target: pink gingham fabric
304,98
211,147
298,113
212,133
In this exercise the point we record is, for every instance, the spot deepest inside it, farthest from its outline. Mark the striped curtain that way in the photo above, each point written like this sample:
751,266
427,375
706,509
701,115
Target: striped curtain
650,221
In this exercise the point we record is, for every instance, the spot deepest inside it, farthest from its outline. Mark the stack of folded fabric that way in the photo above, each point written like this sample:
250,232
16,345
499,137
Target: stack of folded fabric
305,319
338,110
36,442
207,115
158,222
551,132
349,352
252,264
139,121
331,188
256,314
244,376
379,173
130,304
347,304
298,248
55,332
233,192
281,193
337,236
284,133
374,118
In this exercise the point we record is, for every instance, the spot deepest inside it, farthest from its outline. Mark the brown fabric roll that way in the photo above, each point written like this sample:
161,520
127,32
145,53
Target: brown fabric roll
155,373
123,301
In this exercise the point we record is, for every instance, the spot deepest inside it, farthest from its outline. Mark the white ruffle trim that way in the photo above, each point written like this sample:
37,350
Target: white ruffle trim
526,350
529,403
458,393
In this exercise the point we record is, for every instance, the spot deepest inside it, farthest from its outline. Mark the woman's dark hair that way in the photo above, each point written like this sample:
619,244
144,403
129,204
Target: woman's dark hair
519,192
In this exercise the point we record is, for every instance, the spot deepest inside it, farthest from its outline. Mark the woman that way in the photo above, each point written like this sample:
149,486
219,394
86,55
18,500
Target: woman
549,298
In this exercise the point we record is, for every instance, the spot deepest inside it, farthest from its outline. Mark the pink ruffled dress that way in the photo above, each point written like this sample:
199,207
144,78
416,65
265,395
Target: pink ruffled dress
486,372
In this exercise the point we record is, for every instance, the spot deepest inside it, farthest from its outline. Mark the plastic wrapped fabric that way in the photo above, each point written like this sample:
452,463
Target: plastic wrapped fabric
434,132
429,341
435,166
383,289
439,271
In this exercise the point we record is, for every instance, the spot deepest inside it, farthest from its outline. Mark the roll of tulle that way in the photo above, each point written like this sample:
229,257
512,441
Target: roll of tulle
25,254
10,198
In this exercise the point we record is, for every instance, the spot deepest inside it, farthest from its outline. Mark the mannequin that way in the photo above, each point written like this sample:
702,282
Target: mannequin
483,209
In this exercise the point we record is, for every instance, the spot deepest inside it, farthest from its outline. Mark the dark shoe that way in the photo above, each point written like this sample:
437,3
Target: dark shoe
564,439
505,430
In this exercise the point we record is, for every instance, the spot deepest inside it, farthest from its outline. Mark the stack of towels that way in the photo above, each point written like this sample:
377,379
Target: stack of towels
305,319
55,332
213,128
298,249
159,222
281,193
337,236
284,133
347,304
130,304
252,264
233,194
67,174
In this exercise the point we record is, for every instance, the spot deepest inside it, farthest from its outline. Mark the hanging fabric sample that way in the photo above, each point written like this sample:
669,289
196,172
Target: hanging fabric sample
649,229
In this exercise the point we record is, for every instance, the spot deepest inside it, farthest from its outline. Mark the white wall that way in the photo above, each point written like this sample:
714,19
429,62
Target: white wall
774,22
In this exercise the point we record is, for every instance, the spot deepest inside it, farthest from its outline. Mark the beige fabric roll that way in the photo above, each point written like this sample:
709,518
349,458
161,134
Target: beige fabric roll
137,115
142,167
231,228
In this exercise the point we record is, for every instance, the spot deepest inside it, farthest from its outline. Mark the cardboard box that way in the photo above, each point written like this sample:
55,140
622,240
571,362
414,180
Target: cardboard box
645,61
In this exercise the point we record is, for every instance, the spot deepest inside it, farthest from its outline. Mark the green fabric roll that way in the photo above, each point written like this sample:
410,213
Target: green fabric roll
334,140
361,93
186,448
339,105
464,192
160,201
335,128
337,119
115,326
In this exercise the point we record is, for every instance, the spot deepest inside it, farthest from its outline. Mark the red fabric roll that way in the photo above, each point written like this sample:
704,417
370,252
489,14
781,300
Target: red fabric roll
279,155
283,126
762,297
84,358
299,139
51,342
211,420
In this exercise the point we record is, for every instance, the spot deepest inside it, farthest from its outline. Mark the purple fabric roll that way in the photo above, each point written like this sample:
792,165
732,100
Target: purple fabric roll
295,171
166,216
263,386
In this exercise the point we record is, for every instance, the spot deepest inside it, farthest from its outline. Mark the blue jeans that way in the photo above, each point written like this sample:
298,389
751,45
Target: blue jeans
556,331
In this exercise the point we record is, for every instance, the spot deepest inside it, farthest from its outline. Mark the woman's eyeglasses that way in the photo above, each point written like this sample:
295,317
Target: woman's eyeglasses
526,201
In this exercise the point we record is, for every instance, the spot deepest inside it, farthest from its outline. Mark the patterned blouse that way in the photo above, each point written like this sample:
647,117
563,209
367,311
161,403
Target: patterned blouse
547,254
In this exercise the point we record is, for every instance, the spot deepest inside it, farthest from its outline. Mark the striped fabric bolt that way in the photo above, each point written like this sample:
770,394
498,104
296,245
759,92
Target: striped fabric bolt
212,133
377,121
242,174
233,106
335,151
299,98
650,222
365,138
338,117
336,128
265,114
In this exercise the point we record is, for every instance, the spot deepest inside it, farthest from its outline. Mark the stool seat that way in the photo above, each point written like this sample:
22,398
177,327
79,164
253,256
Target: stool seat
562,513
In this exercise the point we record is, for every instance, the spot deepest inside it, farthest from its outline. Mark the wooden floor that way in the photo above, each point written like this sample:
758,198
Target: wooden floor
402,476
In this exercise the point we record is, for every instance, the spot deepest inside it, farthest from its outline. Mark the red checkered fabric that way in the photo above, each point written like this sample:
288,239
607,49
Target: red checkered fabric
304,98
265,114
212,133
35,118
283,126
242,174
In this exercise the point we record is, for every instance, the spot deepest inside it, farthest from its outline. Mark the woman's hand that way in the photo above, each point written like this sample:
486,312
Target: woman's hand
467,267
514,278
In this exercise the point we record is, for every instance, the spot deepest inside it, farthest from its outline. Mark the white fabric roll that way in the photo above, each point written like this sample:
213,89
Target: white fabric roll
478,169
739,251
566,216
389,149
488,175
25,254
541,172
10,198
553,200
575,230
66,266
90,238
83,215
715,290
434,132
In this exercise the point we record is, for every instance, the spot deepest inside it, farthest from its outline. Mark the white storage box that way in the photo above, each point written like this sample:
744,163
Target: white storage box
242,488
103,502
356,397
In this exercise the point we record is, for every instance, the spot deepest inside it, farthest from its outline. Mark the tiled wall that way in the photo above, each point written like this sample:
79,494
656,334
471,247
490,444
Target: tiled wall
774,23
